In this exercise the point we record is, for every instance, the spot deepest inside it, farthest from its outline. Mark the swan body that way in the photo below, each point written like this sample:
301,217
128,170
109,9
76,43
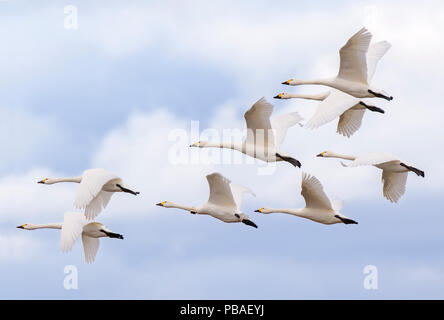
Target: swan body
318,206
95,190
223,204
394,171
74,225
356,67
336,103
264,136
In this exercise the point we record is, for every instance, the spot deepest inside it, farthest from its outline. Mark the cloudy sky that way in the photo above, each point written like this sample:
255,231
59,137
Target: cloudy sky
112,92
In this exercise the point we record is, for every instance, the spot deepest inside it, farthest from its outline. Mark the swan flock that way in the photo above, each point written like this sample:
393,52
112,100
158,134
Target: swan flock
347,100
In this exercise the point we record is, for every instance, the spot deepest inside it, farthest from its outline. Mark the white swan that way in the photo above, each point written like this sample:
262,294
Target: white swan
74,225
335,103
95,190
356,66
264,137
224,201
318,207
394,171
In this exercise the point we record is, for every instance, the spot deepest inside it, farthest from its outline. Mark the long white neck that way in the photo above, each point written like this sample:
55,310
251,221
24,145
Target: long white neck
57,180
325,81
294,212
44,226
224,145
179,206
340,156
314,96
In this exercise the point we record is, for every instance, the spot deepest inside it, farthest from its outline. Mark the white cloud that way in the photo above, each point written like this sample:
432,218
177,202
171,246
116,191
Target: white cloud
18,248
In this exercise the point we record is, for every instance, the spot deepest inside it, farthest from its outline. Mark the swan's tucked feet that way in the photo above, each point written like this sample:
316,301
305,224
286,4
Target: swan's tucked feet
249,223
127,190
193,212
293,161
379,95
345,220
112,234
371,108
413,169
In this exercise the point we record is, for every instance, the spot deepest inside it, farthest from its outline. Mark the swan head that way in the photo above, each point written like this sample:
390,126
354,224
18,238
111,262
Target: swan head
292,82
263,210
283,95
199,144
163,204
47,181
326,154
26,226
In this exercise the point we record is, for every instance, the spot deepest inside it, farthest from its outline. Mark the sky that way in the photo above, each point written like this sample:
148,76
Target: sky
113,92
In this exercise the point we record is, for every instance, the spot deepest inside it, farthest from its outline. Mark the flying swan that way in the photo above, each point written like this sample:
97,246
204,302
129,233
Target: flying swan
224,201
74,225
318,207
354,70
335,103
95,190
394,171
264,137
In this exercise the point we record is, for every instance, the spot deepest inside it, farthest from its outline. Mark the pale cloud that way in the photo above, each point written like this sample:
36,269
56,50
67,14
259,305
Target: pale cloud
17,248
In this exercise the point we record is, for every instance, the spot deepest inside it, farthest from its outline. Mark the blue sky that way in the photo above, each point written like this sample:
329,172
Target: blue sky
109,93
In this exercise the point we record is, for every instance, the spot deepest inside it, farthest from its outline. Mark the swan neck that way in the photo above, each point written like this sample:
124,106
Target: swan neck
318,96
325,82
343,156
46,226
69,179
183,207
224,145
295,212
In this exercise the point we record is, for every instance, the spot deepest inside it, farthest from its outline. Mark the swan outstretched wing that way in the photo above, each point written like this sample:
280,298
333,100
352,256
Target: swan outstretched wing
90,191
313,193
258,123
353,54
280,125
350,121
238,192
72,228
332,107
393,184
90,248
375,52
220,191
100,202
370,159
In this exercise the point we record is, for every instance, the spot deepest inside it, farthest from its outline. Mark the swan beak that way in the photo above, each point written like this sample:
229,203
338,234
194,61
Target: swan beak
286,82
196,144
21,227
320,155
279,96
42,181
160,203
259,210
